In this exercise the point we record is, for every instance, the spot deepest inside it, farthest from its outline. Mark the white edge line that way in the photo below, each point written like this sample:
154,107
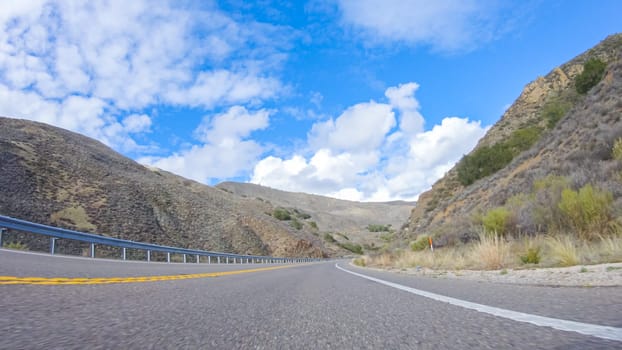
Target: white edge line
604,332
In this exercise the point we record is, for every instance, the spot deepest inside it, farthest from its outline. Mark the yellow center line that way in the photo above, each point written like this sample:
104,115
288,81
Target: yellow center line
12,280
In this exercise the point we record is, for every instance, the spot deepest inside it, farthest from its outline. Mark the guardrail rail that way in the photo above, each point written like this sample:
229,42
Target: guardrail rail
212,257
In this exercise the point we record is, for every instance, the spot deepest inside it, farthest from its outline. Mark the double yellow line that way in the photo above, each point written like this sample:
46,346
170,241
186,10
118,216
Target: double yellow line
12,280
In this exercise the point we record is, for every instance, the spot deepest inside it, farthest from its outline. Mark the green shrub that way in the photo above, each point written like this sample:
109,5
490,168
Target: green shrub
593,71
282,214
523,139
588,210
343,236
387,237
329,238
616,152
313,225
378,228
487,160
354,248
532,256
296,224
420,244
554,110
359,262
496,221
16,246
483,162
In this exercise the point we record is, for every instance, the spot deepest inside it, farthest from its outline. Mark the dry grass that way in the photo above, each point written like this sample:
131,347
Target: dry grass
562,251
492,252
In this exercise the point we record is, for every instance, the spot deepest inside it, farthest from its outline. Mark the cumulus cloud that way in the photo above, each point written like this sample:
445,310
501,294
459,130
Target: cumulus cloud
95,67
446,25
365,155
225,151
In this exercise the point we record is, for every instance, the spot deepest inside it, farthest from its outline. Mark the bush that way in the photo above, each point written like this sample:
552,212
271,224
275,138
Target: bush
523,139
354,248
296,224
588,210
487,160
532,256
496,221
420,244
593,71
329,238
16,246
378,228
313,225
616,152
282,214
554,110
483,162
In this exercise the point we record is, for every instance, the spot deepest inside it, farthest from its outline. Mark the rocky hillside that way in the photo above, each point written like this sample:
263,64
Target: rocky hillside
331,215
53,176
558,126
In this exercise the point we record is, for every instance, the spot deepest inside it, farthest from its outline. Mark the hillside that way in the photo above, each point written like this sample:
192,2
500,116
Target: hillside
332,215
53,176
552,129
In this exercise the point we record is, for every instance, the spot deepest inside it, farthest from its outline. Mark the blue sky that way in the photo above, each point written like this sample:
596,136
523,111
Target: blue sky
363,100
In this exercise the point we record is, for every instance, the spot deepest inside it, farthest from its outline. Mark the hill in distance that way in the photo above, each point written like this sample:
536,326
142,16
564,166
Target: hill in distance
53,176
345,221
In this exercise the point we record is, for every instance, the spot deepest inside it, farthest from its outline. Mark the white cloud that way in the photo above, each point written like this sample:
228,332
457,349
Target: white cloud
360,128
96,66
362,156
446,25
225,151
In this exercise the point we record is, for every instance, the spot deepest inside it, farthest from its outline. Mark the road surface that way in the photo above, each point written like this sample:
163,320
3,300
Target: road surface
306,306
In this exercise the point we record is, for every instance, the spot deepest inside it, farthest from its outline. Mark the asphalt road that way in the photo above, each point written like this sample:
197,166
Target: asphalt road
312,306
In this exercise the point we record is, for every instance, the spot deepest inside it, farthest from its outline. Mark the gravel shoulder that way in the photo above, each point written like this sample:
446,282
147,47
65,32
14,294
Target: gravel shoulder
602,275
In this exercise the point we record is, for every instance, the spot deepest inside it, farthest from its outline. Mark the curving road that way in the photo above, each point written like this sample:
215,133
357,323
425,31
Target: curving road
313,306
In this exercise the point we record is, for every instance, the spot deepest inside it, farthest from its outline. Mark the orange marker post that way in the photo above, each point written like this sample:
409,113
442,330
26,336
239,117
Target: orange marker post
431,245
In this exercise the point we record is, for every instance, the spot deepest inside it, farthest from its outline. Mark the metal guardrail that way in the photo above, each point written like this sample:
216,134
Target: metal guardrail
56,233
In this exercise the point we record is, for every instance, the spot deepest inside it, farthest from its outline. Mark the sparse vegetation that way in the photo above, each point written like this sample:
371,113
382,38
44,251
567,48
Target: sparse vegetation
420,244
329,238
359,262
282,214
554,110
296,224
593,71
313,225
563,251
353,247
616,151
16,246
378,228
532,256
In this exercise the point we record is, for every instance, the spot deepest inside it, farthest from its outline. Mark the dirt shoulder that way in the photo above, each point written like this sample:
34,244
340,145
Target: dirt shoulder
602,275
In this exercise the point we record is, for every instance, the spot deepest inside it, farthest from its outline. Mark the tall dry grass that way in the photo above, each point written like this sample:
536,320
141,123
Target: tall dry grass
493,252
490,253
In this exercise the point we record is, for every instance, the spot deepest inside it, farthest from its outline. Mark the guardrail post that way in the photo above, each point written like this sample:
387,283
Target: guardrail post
219,260
168,257
148,255
1,232
124,253
52,244
184,258
198,258
92,250
209,259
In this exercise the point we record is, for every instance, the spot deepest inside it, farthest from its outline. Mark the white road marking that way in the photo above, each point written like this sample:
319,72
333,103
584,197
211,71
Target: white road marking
604,332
